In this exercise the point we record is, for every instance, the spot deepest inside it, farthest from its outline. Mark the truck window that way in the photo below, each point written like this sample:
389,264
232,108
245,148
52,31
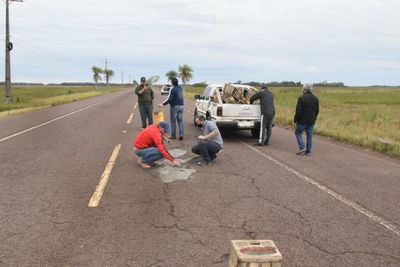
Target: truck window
206,94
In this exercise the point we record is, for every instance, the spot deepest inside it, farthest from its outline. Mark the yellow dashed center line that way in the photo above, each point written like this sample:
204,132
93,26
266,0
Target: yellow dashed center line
130,119
98,193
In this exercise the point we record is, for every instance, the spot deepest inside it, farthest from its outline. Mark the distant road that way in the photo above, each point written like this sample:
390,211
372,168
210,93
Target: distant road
339,207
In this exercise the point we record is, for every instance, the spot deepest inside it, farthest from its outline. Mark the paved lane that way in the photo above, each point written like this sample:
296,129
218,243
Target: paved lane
49,174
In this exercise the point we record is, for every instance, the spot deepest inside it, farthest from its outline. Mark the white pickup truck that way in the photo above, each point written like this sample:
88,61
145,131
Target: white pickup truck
228,105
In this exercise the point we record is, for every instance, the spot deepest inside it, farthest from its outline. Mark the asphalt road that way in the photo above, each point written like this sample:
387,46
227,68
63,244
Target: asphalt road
339,207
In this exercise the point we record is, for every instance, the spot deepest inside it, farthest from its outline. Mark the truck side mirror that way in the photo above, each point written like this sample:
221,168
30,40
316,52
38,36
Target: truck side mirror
196,96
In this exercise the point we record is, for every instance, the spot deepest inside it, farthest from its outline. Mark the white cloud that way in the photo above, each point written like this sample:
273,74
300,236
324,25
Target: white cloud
224,40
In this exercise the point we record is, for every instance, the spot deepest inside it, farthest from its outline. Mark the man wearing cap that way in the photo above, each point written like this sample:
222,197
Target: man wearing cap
307,110
175,100
267,109
149,145
145,99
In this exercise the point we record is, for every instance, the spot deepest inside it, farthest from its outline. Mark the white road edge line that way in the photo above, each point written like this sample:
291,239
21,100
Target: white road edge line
130,119
135,106
56,119
325,189
332,193
98,193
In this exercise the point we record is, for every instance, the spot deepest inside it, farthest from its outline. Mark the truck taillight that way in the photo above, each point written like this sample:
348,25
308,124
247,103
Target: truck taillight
219,111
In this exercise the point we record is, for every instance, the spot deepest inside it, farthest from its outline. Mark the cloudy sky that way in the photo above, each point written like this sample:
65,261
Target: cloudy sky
354,41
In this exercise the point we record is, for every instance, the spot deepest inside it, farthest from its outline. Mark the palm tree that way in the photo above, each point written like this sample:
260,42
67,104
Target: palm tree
96,74
171,74
109,74
153,79
185,72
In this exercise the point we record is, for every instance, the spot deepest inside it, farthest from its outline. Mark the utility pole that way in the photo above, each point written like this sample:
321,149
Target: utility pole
105,61
129,81
122,77
105,70
9,47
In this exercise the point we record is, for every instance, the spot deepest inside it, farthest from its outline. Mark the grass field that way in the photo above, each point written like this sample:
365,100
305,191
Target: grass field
27,98
365,116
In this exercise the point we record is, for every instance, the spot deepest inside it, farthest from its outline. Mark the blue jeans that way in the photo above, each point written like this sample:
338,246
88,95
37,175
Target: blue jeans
146,112
149,155
176,115
207,149
300,128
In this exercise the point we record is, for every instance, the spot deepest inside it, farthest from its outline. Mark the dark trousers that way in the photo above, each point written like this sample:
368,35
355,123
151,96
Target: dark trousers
206,149
265,128
146,113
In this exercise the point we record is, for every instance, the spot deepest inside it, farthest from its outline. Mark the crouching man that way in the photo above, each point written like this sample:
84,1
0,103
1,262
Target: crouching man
210,141
149,145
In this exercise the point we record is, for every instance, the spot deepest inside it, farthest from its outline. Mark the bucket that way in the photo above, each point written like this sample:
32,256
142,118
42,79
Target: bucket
158,116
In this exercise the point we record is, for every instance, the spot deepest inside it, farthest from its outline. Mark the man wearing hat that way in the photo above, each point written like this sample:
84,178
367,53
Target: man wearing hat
307,110
149,145
145,100
267,108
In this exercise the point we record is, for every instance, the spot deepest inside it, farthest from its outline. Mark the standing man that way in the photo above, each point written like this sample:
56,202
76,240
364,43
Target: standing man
307,110
267,114
145,100
210,141
175,100
149,145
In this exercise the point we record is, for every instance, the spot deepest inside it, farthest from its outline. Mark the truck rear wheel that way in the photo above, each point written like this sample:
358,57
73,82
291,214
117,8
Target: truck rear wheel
194,116
255,132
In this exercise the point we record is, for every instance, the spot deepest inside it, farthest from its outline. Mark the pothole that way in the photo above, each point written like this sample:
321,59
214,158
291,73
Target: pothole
169,174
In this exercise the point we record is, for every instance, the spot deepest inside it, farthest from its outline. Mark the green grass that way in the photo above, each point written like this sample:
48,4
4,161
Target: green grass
365,116
27,98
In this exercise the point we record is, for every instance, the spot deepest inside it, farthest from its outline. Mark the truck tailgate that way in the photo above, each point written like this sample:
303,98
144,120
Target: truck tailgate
238,111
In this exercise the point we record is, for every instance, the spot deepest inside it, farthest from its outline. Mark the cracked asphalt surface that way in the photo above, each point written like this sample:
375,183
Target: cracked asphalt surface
48,175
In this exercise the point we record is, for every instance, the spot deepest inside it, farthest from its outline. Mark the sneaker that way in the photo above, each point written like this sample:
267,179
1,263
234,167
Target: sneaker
308,154
180,138
301,151
172,137
139,161
145,166
258,144
203,163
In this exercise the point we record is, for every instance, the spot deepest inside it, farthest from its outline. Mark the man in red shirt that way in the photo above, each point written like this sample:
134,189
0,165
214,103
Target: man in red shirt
149,145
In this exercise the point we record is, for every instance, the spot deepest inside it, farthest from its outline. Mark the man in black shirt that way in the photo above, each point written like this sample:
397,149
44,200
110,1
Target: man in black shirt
267,114
307,110
145,99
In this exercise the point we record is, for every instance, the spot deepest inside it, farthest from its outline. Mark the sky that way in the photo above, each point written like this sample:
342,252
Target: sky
353,41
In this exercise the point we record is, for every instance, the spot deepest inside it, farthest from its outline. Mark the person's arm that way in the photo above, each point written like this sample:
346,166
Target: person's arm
140,91
211,135
169,98
317,111
158,141
151,94
299,109
255,97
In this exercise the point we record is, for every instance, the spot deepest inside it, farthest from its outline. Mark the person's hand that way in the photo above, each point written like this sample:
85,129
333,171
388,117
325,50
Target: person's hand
166,138
201,137
160,105
176,163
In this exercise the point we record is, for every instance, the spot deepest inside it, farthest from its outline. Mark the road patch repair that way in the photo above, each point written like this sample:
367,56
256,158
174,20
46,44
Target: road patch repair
168,173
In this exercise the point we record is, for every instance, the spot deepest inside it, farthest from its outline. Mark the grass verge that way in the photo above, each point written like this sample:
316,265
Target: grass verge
28,98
